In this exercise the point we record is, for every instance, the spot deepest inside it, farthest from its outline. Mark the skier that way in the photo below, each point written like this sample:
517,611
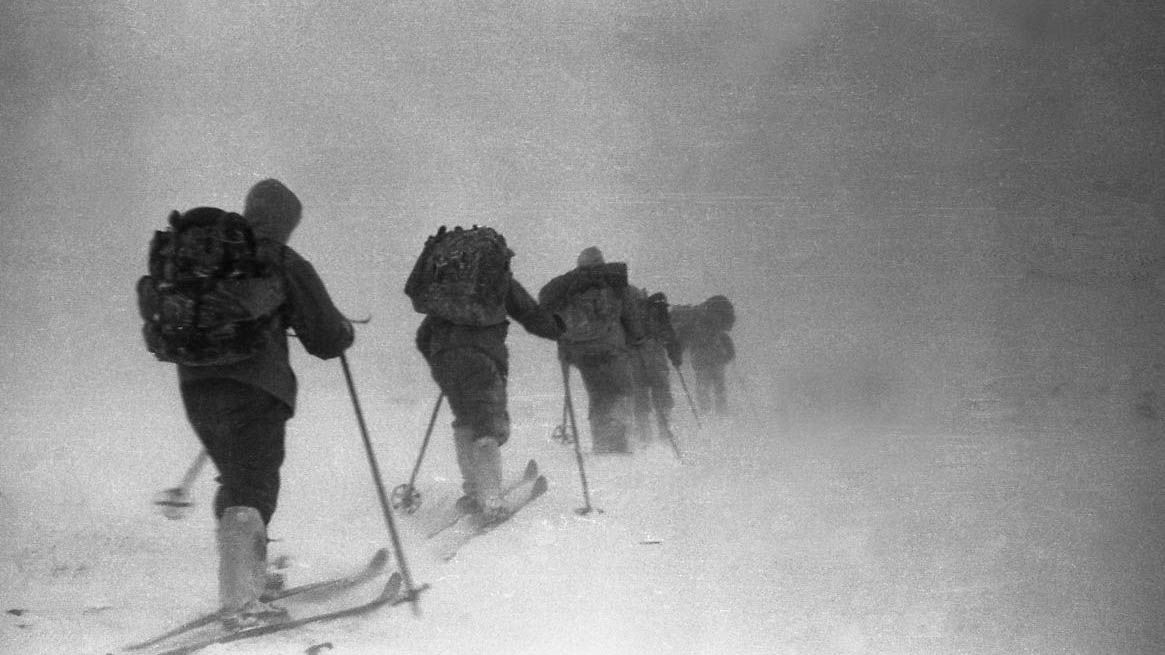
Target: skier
703,332
463,284
650,363
599,323
239,411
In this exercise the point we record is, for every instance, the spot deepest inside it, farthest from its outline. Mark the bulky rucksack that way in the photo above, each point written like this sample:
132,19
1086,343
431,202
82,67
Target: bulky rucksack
683,318
462,276
590,311
213,293
592,315
719,313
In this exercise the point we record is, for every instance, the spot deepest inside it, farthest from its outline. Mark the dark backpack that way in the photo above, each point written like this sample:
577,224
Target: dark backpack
591,315
719,313
683,318
462,276
213,293
589,312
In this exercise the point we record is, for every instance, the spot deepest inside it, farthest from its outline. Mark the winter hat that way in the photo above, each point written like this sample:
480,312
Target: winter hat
272,210
591,256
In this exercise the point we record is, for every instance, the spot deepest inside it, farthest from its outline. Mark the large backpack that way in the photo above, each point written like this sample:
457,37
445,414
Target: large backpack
592,315
213,293
719,313
683,319
590,311
462,276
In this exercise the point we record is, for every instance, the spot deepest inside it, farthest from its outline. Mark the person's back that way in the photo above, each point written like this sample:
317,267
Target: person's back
658,326
710,347
599,322
653,383
273,212
463,342
239,410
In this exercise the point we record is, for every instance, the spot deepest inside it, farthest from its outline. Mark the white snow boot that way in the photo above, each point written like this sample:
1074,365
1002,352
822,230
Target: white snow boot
480,461
242,570
487,478
463,444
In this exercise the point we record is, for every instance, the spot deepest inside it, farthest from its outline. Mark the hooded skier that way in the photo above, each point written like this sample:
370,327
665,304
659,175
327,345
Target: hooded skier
239,411
463,284
702,330
650,363
592,304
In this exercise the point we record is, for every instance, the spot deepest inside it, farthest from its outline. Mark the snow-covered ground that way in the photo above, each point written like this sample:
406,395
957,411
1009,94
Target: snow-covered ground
831,514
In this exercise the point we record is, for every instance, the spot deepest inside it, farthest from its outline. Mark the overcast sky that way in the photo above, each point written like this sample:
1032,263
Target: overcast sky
781,152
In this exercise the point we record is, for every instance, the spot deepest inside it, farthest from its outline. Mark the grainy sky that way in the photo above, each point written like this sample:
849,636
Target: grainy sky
798,154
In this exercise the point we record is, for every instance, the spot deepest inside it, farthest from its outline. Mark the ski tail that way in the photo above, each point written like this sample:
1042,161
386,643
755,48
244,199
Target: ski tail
472,525
375,565
388,595
529,474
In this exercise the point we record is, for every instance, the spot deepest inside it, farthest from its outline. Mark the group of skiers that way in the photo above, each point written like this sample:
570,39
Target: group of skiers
223,290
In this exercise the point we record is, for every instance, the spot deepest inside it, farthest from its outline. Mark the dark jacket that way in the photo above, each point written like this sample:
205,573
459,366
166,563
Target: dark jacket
716,350
436,335
657,325
707,345
273,212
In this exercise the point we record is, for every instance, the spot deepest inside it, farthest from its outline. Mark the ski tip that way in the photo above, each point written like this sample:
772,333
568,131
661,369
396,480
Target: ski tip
540,486
531,470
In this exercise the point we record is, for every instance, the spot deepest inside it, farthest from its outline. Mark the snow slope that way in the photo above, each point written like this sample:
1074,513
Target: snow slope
941,223
825,517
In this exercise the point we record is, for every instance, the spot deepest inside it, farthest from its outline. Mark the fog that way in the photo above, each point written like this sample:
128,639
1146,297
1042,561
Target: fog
904,198
805,159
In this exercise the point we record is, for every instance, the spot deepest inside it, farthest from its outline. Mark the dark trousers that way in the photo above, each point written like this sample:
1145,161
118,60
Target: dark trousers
652,384
242,428
476,390
608,378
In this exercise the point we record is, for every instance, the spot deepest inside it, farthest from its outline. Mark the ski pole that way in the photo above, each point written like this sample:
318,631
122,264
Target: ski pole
406,496
411,592
559,433
577,446
691,404
175,501
671,436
